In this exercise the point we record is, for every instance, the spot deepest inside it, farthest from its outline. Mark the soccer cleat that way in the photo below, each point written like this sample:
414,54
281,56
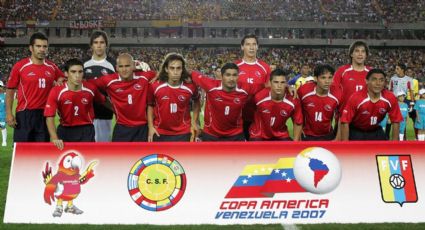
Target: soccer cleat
73,209
58,211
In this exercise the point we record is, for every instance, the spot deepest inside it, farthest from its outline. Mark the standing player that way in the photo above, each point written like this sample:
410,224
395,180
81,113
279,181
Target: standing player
420,115
304,76
412,114
224,103
351,78
274,107
404,109
366,109
3,115
32,78
319,105
98,66
169,102
128,91
74,103
251,71
400,82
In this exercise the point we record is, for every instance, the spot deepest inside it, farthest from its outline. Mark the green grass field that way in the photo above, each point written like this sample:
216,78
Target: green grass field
5,162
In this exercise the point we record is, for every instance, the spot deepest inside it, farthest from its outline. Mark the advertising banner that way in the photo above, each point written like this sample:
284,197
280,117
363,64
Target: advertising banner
85,24
217,183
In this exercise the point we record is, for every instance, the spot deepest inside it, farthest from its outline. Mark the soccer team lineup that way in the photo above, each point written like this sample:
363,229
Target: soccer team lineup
245,100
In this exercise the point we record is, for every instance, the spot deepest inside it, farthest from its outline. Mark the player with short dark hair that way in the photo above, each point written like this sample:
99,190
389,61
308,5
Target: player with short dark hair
319,104
225,100
32,78
98,66
74,103
400,82
304,76
128,92
251,71
169,102
367,108
274,107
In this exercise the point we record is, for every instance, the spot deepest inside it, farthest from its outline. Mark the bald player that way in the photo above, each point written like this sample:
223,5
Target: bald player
128,91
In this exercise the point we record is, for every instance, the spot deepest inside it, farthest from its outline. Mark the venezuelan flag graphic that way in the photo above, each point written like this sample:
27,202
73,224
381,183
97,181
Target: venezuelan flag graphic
396,178
264,180
282,179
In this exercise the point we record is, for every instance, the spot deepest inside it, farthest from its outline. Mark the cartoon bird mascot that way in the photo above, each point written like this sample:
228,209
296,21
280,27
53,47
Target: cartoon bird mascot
65,185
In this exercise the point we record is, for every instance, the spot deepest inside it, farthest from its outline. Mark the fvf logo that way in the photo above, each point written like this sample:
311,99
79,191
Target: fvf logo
396,179
395,164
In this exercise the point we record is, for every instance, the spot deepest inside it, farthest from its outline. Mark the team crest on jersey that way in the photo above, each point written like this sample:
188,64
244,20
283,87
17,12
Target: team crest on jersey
237,100
104,72
181,98
382,111
89,71
48,74
328,108
137,87
257,73
283,113
84,101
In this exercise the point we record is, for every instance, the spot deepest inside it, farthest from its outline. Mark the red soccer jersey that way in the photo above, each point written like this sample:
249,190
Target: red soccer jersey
257,73
172,107
271,116
223,110
74,107
318,110
365,115
349,81
129,98
33,82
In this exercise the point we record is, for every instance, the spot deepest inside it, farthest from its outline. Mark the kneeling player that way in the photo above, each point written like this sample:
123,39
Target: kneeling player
274,107
319,104
367,108
74,103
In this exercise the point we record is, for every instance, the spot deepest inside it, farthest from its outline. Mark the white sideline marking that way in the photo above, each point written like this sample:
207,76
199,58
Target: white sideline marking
289,226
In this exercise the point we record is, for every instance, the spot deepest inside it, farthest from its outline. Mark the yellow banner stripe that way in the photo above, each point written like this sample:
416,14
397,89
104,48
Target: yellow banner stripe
384,174
258,170
285,163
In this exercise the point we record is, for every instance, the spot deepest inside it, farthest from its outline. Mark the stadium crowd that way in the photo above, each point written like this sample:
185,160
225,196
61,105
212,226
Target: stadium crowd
387,11
208,59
